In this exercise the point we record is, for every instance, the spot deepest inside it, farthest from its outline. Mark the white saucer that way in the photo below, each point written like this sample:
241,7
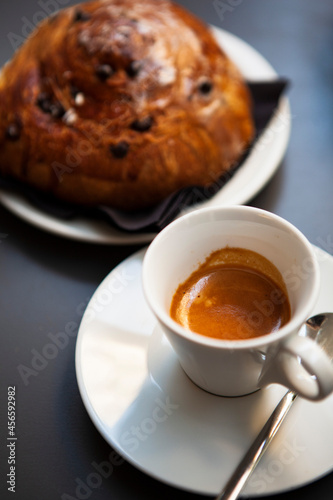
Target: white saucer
255,172
147,409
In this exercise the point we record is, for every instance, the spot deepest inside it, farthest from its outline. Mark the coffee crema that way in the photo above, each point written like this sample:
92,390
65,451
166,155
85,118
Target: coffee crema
235,294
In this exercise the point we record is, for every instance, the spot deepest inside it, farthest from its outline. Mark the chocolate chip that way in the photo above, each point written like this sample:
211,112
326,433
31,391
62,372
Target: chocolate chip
119,150
13,131
142,125
81,16
206,87
104,71
57,110
44,101
133,68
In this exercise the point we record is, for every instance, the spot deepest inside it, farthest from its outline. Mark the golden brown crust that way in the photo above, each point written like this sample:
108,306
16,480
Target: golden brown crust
121,102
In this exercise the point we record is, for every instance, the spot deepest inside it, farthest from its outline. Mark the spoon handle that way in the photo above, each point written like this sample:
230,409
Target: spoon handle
238,479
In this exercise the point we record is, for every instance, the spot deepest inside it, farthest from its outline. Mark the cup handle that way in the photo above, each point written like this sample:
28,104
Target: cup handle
300,365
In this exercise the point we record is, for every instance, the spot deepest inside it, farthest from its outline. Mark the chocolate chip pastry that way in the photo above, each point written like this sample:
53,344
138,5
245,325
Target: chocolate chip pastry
121,103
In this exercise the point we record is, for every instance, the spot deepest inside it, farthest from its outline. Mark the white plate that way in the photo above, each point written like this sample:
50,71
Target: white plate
244,185
147,409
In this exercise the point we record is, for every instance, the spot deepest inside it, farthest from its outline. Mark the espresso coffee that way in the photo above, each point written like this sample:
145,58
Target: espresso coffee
235,294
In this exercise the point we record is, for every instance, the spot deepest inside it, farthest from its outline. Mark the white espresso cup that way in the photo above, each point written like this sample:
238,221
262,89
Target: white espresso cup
240,367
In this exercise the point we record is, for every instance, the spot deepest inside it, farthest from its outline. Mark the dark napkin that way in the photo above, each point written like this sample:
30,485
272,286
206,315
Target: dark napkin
265,97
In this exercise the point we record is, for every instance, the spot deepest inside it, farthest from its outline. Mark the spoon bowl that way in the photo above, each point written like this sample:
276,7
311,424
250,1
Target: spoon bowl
320,329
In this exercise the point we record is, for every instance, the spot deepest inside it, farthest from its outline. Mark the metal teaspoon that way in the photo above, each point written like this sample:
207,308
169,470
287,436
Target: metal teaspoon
320,329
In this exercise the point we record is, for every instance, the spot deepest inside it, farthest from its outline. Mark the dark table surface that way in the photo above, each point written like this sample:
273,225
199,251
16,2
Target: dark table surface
47,280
